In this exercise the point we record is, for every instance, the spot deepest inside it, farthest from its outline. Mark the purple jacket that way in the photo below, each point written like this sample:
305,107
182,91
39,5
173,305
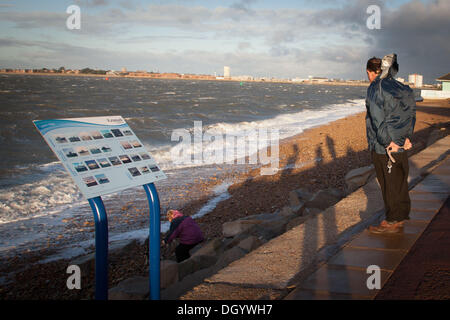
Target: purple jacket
186,229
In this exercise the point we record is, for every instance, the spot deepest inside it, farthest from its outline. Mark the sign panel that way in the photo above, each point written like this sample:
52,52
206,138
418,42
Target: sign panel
102,154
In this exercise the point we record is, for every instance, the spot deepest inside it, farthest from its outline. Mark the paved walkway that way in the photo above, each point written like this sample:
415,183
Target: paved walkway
322,258
425,271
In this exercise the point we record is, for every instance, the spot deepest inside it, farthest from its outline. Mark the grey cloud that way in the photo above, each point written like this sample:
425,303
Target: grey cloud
63,48
36,19
419,34
91,3
8,42
244,5
353,14
90,25
52,54
285,35
416,31
160,37
282,51
130,5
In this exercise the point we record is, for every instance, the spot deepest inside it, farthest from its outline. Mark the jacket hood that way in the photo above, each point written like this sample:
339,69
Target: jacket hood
176,214
389,66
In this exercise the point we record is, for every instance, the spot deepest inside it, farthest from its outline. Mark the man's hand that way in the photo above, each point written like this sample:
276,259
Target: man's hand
407,145
393,147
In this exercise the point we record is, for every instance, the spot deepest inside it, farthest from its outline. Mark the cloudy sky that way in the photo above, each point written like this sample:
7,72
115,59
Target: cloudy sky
274,38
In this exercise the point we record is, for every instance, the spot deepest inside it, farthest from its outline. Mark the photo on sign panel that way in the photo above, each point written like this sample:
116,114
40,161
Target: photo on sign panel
125,159
74,138
106,149
85,136
101,178
94,150
135,157
136,144
154,169
89,181
107,134
92,165
144,170
115,161
82,151
117,132
134,172
80,167
126,145
104,163
70,153
127,132
60,138
96,135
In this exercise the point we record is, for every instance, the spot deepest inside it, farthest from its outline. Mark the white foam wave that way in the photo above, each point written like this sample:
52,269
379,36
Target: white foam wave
39,198
221,194
206,98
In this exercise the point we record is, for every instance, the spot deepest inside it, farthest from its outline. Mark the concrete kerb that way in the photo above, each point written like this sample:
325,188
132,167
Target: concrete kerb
315,244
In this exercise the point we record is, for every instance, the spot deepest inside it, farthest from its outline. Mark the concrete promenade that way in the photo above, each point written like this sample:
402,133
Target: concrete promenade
327,256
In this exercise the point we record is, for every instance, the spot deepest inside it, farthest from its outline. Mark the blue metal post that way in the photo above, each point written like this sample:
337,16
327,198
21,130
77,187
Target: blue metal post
101,248
154,244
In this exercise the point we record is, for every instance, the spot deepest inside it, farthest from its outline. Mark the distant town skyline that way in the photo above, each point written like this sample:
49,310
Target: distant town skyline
261,38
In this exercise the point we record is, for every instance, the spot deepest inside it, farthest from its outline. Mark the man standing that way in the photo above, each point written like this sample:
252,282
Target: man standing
390,120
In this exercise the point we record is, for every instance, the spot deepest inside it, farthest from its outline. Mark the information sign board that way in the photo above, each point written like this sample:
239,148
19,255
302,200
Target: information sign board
102,154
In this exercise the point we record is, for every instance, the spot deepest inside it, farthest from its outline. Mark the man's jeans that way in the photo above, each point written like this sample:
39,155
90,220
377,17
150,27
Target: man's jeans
394,185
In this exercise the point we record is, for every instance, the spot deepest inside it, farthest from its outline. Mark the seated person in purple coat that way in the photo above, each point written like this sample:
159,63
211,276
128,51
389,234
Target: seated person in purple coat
187,230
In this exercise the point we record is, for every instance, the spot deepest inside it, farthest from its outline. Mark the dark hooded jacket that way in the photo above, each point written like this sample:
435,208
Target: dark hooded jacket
391,113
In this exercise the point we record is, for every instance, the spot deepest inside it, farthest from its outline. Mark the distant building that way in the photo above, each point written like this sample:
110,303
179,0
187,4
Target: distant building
318,79
124,69
242,78
299,80
416,80
226,72
445,82
439,94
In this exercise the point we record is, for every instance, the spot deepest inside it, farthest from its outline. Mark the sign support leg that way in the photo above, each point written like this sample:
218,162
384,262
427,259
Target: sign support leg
154,241
101,248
